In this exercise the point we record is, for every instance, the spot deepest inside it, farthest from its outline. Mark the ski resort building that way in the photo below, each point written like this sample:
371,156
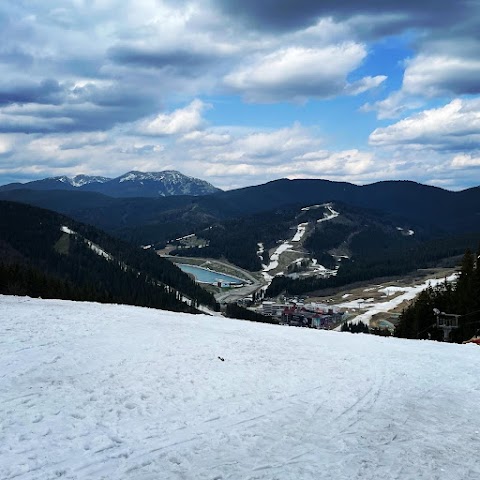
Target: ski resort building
313,315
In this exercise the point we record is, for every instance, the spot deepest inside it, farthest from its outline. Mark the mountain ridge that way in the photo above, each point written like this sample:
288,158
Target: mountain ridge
131,184
150,220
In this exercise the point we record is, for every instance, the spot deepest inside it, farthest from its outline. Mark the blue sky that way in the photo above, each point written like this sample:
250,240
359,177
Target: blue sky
240,93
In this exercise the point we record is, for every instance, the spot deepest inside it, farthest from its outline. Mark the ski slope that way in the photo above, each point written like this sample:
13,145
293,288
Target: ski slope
90,391
287,245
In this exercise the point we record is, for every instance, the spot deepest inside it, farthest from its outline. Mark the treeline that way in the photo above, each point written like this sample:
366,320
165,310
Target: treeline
351,327
462,298
236,311
133,276
27,280
398,261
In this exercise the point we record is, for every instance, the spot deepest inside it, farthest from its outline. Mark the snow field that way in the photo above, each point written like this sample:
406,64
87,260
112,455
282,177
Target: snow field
92,391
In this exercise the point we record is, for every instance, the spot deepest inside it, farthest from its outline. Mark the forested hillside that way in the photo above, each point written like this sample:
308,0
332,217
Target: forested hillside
462,298
376,264
42,257
147,220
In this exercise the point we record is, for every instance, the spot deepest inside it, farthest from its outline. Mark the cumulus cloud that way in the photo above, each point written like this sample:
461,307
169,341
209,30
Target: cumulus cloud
435,75
182,120
346,162
297,73
6,144
466,160
453,126
393,106
230,157
204,138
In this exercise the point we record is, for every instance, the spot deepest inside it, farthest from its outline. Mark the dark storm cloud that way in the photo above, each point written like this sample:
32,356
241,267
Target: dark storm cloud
48,91
86,108
291,15
183,61
67,120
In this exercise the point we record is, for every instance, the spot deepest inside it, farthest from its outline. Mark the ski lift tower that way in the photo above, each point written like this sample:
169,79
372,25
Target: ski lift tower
447,322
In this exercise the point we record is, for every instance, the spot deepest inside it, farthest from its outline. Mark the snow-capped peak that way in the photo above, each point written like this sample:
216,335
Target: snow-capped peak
80,180
62,179
137,176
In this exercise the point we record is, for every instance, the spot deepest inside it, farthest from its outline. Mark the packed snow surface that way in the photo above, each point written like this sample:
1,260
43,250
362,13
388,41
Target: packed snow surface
91,391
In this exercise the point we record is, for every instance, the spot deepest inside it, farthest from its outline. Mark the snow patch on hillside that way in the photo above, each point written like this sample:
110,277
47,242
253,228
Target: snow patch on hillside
407,233
329,216
286,246
373,307
65,229
92,246
91,391
301,229
98,250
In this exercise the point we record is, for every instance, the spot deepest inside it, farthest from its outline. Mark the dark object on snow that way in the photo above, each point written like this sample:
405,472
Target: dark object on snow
222,359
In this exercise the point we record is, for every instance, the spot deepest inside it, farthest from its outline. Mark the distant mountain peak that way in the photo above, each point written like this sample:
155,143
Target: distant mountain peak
131,184
136,175
159,184
76,181
62,178
80,180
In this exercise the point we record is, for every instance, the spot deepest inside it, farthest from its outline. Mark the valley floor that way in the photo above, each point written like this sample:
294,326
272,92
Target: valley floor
91,391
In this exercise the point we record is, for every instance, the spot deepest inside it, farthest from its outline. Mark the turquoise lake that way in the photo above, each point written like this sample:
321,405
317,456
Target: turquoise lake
203,275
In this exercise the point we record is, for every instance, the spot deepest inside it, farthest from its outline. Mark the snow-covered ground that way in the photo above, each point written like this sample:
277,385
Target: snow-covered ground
301,229
274,257
328,216
91,391
373,307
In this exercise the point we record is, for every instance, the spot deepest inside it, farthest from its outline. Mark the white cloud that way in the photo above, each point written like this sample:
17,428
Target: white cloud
207,138
453,126
298,73
266,146
364,84
435,75
466,160
183,120
346,162
393,106
231,157
431,74
6,144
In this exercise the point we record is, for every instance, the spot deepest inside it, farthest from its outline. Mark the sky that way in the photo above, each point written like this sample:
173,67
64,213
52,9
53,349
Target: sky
242,92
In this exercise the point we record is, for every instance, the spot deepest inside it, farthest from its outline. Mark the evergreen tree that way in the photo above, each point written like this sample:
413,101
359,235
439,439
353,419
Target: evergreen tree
461,298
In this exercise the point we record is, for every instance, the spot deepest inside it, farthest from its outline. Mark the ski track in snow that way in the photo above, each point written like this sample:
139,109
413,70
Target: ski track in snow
90,391
287,246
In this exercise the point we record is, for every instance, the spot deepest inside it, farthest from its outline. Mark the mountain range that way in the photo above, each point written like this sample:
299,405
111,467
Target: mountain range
232,223
156,220
131,184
